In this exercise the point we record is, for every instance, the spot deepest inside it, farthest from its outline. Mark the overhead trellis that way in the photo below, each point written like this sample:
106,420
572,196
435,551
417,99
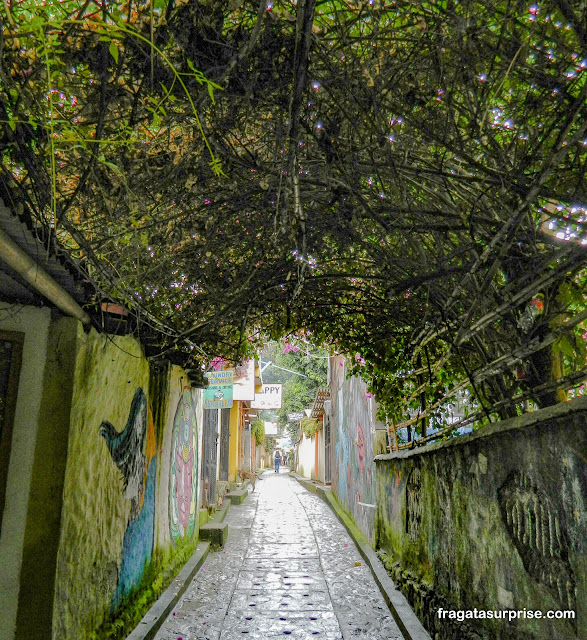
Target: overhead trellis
403,180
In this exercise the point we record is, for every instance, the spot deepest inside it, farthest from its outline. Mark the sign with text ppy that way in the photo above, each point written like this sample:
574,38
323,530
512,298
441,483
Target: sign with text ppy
269,398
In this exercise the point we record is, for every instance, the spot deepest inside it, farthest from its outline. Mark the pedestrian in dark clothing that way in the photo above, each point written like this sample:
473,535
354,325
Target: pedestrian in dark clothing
277,461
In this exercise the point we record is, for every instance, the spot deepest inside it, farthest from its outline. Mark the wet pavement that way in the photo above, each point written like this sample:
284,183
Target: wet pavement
289,568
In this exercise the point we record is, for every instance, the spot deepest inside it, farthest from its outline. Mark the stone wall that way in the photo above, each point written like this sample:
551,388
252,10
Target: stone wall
129,507
496,520
356,440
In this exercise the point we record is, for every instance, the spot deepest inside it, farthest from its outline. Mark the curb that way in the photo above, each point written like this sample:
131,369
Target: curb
221,513
404,616
154,618
157,614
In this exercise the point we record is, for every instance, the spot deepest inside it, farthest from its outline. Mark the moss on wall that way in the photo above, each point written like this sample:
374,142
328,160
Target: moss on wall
116,553
355,441
165,565
496,520
108,373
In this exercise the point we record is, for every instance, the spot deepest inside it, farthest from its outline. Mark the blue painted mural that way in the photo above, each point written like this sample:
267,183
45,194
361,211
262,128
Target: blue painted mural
133,452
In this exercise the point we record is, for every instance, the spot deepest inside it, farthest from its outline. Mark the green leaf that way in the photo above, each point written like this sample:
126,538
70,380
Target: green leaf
566,346
216,166
114,51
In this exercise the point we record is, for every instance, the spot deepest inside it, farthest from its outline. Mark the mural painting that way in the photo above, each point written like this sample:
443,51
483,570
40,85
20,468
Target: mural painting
353,471
341,450
133,452
184,473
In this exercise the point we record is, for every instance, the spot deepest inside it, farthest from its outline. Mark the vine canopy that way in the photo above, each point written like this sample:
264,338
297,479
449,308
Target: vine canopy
404,181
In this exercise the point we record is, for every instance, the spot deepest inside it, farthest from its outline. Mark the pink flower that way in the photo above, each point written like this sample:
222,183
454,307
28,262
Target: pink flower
368,395
290,347
217,363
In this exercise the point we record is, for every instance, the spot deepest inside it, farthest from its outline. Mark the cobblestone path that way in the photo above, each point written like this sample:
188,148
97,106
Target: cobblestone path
289,568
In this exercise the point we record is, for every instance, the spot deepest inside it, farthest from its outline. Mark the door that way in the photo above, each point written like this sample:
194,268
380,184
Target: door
209,446
224,443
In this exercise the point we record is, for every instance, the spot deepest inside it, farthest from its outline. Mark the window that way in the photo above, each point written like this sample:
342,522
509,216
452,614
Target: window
10,359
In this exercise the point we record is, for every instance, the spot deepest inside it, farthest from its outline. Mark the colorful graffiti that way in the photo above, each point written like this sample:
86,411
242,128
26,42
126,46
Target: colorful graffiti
184,477
133,452
353,470
341,449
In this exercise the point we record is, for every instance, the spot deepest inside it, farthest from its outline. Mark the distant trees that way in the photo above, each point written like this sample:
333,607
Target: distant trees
299,391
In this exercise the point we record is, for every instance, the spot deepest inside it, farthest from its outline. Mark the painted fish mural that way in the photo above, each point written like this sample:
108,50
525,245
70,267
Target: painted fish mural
133,452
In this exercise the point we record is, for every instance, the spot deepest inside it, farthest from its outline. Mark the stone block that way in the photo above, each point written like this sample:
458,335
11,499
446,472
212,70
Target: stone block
238,496
215,532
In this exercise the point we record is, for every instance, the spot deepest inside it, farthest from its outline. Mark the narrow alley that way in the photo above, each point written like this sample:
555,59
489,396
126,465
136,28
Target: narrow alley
347,237
288,568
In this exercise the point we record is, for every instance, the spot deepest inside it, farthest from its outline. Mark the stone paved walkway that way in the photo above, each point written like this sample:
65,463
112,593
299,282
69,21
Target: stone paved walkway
289,568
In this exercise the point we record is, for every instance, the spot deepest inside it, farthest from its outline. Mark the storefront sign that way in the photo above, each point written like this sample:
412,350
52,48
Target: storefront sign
244,381
269,398
218,393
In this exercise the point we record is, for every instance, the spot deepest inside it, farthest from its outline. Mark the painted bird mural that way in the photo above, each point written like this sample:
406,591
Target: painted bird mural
127,449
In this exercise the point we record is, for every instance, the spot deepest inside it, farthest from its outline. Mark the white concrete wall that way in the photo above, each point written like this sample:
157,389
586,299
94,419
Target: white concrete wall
306,457
321,469
34,323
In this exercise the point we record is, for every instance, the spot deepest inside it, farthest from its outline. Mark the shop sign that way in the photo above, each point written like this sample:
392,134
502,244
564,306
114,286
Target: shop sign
269,398
218,393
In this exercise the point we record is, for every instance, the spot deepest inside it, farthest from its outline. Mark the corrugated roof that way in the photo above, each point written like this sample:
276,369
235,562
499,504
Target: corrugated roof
322,395
12,287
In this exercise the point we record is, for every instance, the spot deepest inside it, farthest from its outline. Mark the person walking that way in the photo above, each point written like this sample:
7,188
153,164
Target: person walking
277,460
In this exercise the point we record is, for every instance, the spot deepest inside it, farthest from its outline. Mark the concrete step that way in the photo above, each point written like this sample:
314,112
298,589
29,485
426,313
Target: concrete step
214,532
238,496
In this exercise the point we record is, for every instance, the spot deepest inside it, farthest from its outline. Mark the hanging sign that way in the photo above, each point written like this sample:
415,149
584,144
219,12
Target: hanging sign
269,398
271,428
295,416
244,381
218,393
